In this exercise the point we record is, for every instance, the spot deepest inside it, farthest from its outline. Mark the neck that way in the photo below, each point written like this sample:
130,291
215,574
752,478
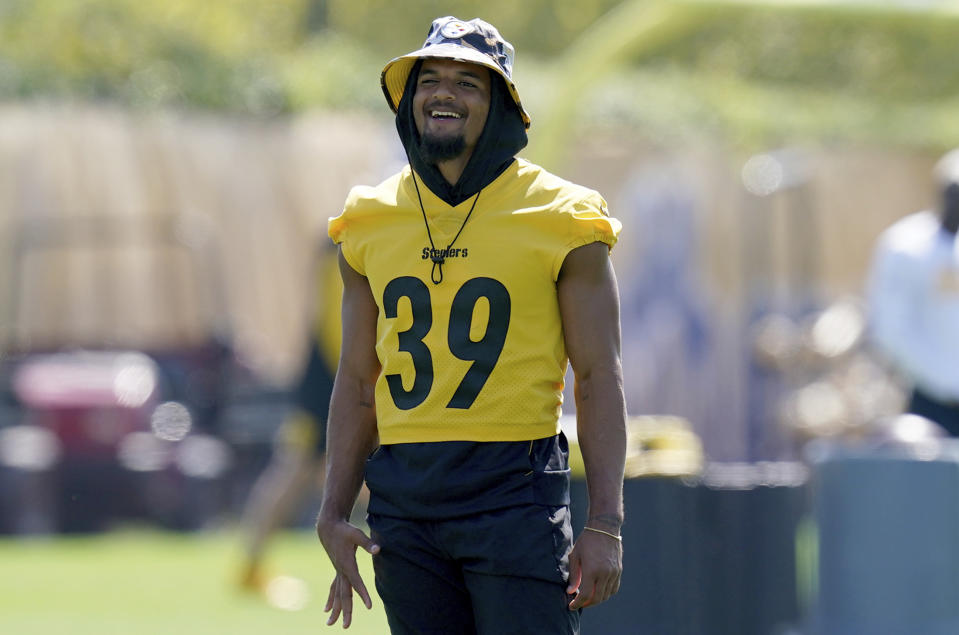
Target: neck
452,169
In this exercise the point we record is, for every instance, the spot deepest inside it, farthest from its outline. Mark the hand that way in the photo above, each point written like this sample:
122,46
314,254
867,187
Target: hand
595,568
341,539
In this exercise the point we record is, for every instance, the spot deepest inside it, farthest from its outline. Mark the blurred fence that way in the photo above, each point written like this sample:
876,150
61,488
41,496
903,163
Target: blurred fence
159,230
163,229
740,276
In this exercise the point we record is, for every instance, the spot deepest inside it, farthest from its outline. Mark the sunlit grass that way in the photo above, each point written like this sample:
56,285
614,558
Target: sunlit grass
149,582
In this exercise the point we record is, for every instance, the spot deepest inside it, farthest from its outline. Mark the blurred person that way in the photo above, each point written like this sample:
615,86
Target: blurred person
296,467
471,278
913,301
670,343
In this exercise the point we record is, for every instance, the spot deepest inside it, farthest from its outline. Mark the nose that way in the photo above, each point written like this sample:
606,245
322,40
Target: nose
444,90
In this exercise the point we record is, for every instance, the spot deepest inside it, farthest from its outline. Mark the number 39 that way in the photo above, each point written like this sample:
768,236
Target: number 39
484,353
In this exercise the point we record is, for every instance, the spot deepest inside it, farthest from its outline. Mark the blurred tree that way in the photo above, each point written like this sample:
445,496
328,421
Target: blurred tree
216,54
536,27
861,70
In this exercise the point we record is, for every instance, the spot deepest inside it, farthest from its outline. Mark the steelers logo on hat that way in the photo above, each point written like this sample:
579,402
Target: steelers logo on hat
456,29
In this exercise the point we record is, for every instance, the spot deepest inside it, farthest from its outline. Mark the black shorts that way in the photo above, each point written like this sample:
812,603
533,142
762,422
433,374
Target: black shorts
501,572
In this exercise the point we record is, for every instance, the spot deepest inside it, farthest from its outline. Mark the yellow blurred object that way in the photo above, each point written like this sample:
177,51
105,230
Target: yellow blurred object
299,432
253,579
662,445
656,445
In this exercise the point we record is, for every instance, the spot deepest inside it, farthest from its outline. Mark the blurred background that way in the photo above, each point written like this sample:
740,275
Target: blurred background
167,169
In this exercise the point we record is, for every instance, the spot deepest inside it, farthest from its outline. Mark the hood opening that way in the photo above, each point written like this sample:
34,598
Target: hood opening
503,136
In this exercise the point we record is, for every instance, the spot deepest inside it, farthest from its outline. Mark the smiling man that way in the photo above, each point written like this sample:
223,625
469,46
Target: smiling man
471,279
450,107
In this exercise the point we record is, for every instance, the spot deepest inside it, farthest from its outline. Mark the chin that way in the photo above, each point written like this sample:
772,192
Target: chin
442,147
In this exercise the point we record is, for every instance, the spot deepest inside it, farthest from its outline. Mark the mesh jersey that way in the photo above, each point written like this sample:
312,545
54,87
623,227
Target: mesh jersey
479,356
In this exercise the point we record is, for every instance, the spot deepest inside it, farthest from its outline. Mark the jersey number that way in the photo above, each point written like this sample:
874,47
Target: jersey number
484,352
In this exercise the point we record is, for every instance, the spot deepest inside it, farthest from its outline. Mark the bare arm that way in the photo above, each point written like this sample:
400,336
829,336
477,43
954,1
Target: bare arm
351,436
589,304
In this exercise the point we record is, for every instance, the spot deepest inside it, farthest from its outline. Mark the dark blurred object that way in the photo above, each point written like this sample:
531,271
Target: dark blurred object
28,457
97,443
118,355
85,404
887,512
89,400
707,555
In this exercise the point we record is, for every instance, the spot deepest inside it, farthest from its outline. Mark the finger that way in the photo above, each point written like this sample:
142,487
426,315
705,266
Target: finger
612,584
607,591
585,590
335,615
346,603
584,597
363,593
334,610
337,605
329,598
354,581
364,542
575,574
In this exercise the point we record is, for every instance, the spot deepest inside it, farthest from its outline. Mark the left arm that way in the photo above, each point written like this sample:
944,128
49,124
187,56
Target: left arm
589,306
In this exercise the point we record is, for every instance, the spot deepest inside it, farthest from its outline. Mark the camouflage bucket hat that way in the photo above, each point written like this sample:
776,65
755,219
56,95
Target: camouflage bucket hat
476,42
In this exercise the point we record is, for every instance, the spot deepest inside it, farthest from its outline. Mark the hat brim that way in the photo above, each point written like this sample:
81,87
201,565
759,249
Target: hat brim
397,71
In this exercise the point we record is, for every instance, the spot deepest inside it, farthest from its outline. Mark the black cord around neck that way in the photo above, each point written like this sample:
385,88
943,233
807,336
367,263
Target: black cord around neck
439,258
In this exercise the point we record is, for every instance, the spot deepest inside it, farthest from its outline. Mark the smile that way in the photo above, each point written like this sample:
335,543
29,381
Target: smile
445,114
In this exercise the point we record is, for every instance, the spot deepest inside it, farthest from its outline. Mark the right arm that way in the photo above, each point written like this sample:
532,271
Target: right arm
351,437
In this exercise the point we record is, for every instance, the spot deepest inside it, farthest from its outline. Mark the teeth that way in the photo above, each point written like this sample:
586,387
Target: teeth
443,113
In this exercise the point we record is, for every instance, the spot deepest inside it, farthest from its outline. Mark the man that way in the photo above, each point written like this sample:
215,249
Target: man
469,279
914,301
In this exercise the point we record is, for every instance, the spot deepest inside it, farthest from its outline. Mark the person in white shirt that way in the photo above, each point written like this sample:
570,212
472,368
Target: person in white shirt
913,301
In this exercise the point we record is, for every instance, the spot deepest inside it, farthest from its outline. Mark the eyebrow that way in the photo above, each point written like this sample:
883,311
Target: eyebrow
471,74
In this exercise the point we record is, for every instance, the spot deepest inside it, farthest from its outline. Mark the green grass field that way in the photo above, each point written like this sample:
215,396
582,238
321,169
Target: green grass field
145,582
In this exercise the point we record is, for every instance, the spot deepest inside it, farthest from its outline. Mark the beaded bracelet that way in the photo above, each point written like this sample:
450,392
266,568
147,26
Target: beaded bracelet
605,533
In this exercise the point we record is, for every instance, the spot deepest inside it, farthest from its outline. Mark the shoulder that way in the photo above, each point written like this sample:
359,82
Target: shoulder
569,213
366,203
911,235
563,194
385,193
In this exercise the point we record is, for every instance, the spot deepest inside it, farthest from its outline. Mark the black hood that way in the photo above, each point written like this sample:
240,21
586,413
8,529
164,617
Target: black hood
503,136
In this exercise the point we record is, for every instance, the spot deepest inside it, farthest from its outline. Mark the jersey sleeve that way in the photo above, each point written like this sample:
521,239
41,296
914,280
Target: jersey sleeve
338,229
586,221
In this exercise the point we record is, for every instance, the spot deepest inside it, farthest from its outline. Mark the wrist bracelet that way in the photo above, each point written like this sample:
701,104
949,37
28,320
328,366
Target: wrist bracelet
605,533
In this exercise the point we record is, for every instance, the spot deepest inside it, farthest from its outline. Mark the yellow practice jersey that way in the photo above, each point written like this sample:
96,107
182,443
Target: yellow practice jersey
479,356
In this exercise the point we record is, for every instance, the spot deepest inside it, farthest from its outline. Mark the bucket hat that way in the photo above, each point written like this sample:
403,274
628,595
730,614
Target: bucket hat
475,42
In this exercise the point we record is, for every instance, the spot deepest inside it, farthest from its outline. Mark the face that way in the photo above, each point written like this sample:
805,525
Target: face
451,101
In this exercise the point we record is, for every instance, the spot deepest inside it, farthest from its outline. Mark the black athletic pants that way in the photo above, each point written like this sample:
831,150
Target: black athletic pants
501,572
